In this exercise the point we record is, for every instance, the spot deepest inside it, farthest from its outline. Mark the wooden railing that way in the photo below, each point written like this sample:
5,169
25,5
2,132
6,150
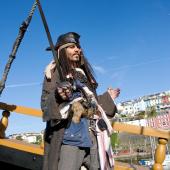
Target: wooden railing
162,135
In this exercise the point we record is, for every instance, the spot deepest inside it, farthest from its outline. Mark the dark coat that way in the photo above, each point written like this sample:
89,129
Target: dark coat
54,130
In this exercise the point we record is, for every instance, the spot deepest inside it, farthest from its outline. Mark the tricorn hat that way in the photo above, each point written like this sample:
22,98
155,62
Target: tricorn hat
70,37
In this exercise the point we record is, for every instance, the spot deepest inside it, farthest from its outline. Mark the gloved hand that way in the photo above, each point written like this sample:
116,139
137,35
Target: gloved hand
64,90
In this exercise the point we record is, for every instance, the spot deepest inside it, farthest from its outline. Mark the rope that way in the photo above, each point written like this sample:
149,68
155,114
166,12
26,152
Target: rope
16,44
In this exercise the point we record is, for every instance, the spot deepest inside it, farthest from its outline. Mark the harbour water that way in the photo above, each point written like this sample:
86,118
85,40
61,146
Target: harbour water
149,163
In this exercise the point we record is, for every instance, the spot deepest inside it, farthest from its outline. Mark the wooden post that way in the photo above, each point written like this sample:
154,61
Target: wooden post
160,154
42,142
4,123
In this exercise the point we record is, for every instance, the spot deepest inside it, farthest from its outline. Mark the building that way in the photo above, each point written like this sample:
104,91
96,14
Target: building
160,101
28,137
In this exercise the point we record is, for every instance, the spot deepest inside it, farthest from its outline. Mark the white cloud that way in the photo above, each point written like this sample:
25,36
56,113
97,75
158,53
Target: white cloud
99,69
24,84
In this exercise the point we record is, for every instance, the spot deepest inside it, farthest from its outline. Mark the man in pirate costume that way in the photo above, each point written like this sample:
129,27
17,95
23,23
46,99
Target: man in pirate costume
76,118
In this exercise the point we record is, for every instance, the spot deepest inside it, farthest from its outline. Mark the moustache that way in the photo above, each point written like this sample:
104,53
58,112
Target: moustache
76,54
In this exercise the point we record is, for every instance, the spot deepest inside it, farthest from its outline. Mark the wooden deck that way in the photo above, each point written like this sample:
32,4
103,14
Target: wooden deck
19,155
30,156
23,156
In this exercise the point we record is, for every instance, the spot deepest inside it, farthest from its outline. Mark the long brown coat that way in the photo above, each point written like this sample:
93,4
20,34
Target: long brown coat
54,130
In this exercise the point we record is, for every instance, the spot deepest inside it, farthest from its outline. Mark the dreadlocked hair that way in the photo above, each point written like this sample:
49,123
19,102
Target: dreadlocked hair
89,72
64,62
83,64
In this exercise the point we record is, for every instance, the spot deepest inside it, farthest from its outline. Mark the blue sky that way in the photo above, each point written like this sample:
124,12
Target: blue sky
126,41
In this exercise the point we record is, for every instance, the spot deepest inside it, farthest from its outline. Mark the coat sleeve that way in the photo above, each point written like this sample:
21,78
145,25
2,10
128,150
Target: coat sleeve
108,105
49,101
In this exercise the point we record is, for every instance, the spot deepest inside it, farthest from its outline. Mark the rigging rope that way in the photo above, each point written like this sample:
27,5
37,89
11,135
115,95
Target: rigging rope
16,44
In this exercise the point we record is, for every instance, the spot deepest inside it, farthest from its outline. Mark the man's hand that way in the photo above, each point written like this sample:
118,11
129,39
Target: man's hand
64,90
114,93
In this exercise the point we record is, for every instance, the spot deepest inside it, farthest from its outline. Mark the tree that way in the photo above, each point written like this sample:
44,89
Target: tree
151,112
38,140
19,138
115,140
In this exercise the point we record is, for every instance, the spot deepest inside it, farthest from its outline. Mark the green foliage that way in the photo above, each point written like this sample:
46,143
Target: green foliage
115,140
19,138
151,112
38,140
123,115
142,113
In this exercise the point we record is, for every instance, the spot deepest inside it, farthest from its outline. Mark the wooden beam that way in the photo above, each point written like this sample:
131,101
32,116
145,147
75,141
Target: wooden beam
140,130
21,109
23,146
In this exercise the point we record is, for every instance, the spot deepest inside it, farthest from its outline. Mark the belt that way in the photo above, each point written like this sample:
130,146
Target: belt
92,126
